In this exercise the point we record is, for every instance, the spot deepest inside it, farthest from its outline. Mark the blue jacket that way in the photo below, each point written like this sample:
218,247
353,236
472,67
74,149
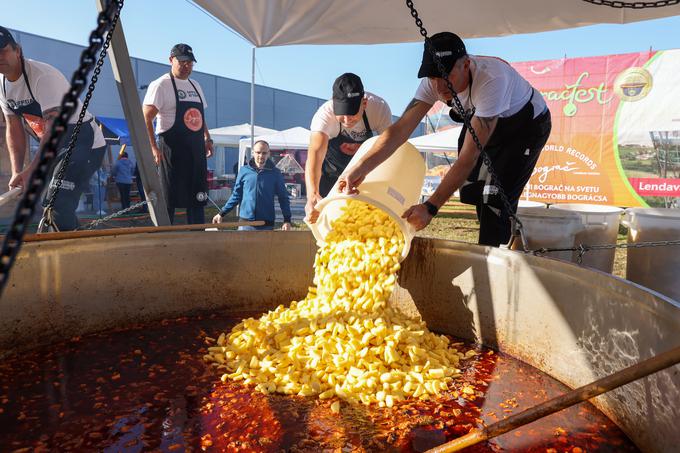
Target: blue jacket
123,171
255,189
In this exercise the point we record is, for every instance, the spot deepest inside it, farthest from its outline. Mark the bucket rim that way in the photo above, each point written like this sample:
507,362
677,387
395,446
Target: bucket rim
585,208
659,213
407,230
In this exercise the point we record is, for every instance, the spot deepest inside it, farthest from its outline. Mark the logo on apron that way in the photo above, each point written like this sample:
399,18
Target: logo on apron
201,196
193,119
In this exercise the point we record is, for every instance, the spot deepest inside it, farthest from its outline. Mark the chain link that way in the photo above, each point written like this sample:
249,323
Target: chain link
38,179
583,248
517,223
633,5
76,129
92,225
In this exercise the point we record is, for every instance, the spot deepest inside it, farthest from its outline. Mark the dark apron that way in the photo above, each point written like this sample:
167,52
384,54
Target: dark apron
513,148
341,149
82,165
186,167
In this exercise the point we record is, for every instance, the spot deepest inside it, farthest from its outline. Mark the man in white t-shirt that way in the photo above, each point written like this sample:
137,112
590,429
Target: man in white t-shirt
30,97
184,143
339,127
509,117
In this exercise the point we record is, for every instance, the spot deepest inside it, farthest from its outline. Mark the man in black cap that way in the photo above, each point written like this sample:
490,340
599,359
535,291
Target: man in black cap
30,97
338,128
184,141
510,118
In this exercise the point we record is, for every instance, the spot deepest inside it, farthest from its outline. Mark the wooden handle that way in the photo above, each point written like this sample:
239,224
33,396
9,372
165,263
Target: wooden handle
134,230
10,195
622,377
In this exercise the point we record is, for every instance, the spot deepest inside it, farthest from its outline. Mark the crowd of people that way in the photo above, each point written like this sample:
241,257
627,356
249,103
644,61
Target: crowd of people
510,118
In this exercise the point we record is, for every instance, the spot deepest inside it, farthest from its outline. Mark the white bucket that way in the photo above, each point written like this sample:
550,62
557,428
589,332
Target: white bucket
601,226
550,229
528,206
657,268
393,186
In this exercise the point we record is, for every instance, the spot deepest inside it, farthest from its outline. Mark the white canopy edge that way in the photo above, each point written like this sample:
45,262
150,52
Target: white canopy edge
231,135
443,141
282,22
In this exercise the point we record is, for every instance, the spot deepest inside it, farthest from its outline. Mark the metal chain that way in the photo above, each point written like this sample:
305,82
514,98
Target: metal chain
466,120
582,248
633,5
96,223
38,179
76,129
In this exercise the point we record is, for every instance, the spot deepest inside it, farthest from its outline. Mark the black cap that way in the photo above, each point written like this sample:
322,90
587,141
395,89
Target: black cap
348,91
5,37
448,47
183,52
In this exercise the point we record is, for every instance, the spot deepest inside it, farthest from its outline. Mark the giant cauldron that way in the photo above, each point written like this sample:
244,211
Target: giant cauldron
575,324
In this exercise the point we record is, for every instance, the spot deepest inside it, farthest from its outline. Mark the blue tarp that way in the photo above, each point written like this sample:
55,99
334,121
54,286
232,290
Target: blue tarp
115,128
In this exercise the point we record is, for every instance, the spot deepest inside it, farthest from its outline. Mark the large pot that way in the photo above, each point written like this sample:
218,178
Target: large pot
575,324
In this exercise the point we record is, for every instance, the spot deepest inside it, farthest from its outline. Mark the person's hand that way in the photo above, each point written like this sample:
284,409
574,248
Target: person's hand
217,218
350,180
286,226
418,216
209,149
157,154
311,214
19,179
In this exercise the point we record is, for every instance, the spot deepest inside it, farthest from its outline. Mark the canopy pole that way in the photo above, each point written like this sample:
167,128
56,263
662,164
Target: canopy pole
132,108
252,101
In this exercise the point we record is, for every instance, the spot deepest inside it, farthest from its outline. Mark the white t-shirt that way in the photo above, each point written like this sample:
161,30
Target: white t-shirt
161,95
377,111
48,86
497,90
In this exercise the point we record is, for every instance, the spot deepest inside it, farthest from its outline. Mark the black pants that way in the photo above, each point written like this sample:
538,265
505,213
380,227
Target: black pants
513,161
195,215
124,190
82,165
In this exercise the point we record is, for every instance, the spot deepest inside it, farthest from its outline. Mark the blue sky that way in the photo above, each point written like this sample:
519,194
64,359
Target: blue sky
153,26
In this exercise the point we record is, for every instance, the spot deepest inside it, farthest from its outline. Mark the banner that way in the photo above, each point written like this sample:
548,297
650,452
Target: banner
616,129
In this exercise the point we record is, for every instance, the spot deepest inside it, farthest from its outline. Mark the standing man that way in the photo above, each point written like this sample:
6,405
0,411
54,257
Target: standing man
339,127
30,97
184,142
510,118
256,186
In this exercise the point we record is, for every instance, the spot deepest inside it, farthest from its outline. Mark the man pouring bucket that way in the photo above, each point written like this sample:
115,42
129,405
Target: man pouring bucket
509,116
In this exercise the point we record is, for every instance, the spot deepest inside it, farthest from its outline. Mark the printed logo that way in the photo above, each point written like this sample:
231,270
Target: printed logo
11,104
353,95
633,84
181,94
444,53
193,119
201,196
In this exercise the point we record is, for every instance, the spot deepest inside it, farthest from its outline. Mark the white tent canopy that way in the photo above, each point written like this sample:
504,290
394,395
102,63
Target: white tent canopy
293,138
231,135
281,22
443,141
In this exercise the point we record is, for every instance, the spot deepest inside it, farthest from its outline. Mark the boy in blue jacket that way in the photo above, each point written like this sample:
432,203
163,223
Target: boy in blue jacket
256,186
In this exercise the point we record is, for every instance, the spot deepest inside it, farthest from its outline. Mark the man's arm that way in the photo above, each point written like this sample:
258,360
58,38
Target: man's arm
236,196
316,153
150,112
20,179
284,198
209,150
467,158
16,142
318,146
387,143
